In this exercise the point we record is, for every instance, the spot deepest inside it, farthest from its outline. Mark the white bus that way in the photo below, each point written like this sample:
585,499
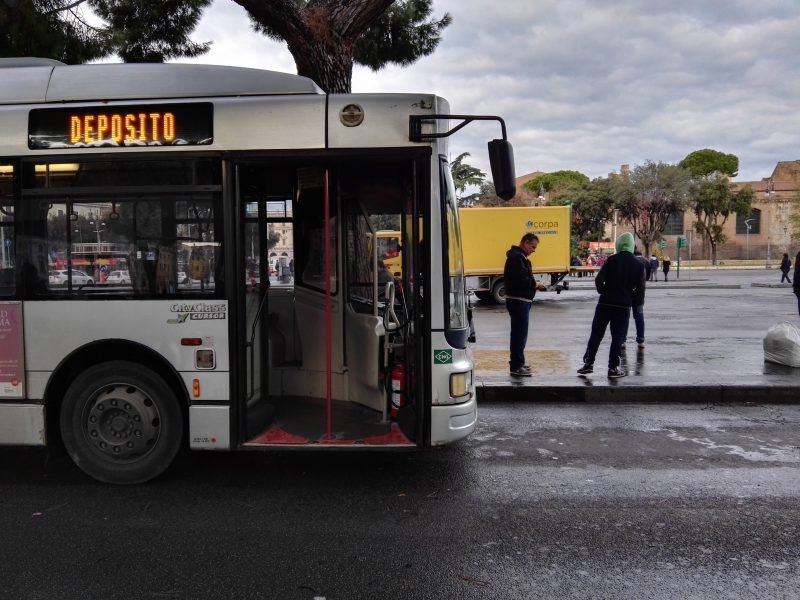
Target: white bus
239,205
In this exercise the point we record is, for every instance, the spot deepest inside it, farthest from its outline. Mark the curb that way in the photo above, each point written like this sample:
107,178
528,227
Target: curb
671,394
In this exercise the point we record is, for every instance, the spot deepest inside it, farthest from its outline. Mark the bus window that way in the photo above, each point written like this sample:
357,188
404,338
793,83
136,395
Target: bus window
7,287
161,242
309,221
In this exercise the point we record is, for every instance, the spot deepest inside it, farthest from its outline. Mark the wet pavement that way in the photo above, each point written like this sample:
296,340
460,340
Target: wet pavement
704,343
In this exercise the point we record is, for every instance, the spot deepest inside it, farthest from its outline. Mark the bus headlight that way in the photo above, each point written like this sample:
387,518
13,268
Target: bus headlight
460,384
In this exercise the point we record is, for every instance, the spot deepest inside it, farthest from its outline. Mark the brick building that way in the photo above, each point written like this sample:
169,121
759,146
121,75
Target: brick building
769,234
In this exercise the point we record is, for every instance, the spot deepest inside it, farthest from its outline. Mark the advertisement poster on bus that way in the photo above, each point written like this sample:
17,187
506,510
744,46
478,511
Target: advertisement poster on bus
12,368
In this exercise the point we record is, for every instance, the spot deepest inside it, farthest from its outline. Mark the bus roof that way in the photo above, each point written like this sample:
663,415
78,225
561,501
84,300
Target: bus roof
37,80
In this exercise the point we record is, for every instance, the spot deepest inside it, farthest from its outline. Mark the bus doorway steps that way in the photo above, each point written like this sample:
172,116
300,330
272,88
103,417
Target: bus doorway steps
302,421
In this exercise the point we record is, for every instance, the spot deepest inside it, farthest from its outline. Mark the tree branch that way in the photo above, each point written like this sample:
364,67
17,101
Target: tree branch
63,8
283,16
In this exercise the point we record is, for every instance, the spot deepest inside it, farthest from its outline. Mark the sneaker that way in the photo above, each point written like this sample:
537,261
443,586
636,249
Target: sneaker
526,368
520,372
586,368
641,344
616,373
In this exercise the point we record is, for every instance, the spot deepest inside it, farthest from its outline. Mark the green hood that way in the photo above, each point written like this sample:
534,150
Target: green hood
625,242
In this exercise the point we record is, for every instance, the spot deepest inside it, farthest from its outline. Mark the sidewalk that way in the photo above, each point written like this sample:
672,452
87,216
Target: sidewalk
704,345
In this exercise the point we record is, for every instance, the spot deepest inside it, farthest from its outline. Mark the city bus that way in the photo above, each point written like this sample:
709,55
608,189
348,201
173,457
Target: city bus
235,208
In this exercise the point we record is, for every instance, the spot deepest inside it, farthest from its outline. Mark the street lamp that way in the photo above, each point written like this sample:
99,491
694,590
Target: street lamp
747,224
97,231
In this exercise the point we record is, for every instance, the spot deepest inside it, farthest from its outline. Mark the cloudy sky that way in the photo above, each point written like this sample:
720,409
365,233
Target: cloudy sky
589,85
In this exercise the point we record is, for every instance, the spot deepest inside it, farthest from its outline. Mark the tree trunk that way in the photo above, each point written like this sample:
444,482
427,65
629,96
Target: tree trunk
713,252
321,34
330,67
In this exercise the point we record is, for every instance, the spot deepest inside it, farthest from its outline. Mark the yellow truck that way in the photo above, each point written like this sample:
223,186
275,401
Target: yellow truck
488,233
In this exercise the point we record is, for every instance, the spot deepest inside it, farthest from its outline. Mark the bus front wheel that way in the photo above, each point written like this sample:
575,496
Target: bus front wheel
121,423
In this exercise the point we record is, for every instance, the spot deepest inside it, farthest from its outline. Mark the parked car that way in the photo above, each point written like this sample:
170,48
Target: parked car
61,277
118,278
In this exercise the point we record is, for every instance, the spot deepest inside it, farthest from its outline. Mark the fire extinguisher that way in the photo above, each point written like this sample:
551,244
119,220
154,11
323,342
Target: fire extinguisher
398,378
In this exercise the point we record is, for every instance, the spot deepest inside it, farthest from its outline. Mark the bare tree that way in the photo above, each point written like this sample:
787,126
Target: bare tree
648,195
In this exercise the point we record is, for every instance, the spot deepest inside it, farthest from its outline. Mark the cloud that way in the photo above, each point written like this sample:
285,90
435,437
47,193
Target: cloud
588,86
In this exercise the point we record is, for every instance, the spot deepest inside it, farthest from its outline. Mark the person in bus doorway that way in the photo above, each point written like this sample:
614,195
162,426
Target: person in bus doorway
521,287
786,264
665,264
619,280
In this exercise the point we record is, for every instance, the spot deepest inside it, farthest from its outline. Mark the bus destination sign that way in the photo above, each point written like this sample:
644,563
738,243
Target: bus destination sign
121,126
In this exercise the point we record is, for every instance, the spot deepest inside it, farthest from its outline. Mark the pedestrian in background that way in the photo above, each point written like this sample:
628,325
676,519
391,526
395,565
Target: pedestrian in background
520,287
796,280
786,264
654,267
665,264
619,280
637,303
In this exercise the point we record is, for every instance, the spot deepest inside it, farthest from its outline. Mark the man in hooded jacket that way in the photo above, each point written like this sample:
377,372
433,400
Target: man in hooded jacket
620,280
521,287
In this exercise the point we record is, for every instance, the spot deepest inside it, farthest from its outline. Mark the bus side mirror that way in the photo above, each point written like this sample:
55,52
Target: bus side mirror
501,158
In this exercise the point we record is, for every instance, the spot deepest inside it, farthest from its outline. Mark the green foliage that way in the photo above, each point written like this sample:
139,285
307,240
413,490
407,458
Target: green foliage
402,35
713,202
47,29
152,30
711,196
592,206
326,37
488,195
465,175
649,195
702,163
557,182
273,237
137,30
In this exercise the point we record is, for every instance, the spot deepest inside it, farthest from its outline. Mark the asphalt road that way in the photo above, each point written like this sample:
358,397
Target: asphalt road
586,501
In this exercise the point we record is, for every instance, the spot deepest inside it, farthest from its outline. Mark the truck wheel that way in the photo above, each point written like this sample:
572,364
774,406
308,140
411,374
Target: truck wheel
499,292
121,423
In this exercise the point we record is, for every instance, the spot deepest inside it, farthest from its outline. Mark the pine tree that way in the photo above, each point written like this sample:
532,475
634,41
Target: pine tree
136,30
326,37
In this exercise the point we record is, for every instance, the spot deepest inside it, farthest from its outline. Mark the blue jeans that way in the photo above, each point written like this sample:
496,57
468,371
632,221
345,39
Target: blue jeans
617,318
638,318
519,312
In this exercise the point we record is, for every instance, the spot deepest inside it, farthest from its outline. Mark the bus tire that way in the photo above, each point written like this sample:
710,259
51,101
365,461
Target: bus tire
499,292
121,423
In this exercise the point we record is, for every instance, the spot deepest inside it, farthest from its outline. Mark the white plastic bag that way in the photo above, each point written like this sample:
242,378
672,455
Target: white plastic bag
782,344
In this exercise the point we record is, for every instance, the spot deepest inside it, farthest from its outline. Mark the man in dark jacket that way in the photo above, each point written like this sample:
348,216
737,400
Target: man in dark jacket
520,287
619,280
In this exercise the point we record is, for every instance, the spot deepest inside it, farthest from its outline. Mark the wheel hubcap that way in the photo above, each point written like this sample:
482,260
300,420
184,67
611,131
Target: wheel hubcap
122,422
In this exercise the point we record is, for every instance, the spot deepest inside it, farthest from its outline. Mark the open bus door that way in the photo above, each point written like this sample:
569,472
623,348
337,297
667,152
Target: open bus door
316,359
